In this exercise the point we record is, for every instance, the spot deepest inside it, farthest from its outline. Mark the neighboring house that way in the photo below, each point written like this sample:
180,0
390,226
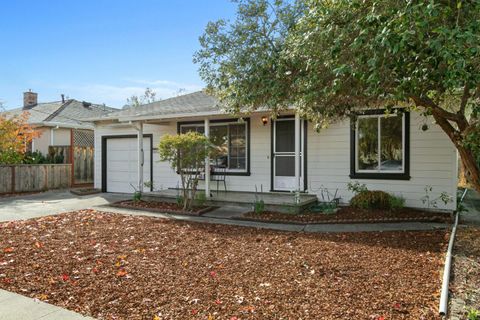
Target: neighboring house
395,154
62,127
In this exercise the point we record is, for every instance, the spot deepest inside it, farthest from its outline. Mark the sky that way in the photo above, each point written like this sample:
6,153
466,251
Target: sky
102,51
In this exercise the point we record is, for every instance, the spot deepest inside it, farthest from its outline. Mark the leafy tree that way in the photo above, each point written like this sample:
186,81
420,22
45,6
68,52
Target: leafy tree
149,96
186,154
342,56
15,136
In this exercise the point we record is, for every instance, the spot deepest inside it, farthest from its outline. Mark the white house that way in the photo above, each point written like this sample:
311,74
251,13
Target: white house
397,154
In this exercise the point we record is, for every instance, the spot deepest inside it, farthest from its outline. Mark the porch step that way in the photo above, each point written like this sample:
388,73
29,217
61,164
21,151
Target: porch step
281,202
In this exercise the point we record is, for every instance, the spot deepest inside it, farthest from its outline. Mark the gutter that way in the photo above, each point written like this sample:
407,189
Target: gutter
442,309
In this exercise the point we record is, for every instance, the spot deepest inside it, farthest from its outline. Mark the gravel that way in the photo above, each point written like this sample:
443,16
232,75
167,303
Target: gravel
113,266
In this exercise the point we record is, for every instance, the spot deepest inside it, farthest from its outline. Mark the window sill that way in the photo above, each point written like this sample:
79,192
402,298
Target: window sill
381,176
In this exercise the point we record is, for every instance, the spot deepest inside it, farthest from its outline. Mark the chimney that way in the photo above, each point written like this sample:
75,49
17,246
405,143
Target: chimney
30,99
63,98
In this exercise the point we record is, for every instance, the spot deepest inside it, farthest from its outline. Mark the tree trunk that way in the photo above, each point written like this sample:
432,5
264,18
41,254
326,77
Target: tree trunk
462,178
472,171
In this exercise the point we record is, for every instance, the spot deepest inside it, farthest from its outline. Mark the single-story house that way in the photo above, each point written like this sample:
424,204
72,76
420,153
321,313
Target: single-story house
62,126
401,154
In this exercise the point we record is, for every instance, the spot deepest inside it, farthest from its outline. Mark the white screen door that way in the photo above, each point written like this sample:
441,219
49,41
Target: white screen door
284,154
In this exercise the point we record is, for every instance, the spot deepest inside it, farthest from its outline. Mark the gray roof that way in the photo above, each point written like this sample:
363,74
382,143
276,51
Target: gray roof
71,113
189,104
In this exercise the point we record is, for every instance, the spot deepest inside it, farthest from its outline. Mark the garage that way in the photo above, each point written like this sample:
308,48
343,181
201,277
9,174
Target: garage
120,163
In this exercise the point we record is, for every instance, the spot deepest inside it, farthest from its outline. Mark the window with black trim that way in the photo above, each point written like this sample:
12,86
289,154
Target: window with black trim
380,146
230,138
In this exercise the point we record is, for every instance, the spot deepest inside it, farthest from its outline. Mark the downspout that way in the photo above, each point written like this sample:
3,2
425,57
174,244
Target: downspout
446,272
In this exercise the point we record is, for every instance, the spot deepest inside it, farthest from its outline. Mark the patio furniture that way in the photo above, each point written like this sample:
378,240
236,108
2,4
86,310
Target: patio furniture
219,174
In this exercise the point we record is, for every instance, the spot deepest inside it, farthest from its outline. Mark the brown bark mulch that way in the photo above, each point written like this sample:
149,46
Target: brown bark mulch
352,215
161,207
465,284
113,266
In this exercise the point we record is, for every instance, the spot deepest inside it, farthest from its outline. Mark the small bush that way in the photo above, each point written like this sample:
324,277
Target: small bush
357,187
473,314
397,202
200,198
137,196
372,200
259,206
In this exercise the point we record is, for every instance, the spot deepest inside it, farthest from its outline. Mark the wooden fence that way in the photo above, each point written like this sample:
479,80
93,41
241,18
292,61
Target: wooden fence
34,177
83,165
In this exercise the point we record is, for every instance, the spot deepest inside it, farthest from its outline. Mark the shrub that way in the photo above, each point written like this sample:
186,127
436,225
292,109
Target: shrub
473,314
397,202
259,206
356,187
372,200
186,154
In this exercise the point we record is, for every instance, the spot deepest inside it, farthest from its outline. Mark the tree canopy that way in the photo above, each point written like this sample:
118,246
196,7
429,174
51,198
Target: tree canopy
15,135
329,59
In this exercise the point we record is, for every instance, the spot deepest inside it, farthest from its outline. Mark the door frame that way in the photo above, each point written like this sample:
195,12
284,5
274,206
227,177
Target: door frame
104,156
272,152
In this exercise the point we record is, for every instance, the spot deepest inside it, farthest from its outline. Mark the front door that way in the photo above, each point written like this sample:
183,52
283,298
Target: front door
284,154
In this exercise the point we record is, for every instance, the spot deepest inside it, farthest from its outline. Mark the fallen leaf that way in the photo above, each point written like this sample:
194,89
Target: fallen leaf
8,250
121,273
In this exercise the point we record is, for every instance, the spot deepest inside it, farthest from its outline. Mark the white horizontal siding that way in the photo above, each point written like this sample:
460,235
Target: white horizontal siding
432,161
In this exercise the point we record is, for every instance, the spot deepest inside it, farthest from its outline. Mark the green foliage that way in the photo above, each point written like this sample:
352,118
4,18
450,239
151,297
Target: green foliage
201,198
137,196
431,202
259,206
242,61
397,202
179,200
372,200
329,59
35,158
473,314
186,154
356,187
377,200
11,156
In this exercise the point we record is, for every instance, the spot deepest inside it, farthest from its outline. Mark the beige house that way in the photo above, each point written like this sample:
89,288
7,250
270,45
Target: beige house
62,127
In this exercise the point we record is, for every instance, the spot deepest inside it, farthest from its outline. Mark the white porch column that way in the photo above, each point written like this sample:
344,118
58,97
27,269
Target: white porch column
298,134
140,155
207,161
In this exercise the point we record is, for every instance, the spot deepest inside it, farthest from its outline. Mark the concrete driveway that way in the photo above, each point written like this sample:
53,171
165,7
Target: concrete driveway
52,202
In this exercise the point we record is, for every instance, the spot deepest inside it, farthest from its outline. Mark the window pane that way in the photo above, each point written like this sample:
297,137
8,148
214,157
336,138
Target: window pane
186,129
285,136
368,143
391,152
285,166
219,137
238,146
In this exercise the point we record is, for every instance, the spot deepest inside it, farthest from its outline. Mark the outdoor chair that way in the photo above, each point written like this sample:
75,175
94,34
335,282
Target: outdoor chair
219,175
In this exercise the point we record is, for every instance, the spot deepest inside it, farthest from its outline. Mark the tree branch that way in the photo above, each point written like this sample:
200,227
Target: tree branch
428,103
465,97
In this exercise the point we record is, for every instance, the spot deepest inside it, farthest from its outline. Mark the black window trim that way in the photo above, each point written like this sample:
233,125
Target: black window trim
229,120
373,175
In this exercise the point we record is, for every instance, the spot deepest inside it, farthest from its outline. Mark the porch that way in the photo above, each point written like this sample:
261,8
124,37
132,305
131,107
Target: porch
274,201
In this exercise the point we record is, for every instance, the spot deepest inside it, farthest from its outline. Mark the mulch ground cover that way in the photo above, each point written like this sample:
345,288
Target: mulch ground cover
352,215
113,266
162,207
465,284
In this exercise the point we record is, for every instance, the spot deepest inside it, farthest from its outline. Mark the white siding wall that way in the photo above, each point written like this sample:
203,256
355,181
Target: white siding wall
432,161
43,141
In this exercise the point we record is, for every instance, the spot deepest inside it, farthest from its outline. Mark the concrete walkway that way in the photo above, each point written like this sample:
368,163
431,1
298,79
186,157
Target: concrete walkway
14,306
472,204
17,307
216,218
